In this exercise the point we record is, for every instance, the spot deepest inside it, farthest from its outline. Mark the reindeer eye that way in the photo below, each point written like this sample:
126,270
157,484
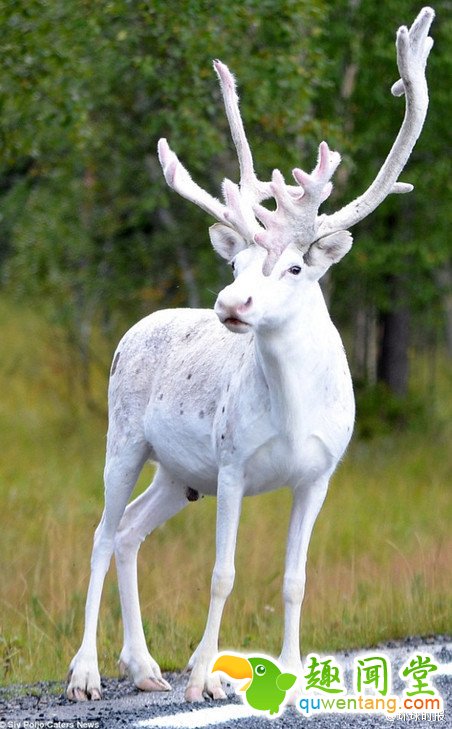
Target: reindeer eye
295,270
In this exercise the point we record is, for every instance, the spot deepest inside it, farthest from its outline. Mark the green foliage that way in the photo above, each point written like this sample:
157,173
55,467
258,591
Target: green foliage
381,412
89,88
88,227
407,236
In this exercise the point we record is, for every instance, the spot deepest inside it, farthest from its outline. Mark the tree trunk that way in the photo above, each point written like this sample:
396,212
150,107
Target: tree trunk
444,281
188,277
393,368
365,344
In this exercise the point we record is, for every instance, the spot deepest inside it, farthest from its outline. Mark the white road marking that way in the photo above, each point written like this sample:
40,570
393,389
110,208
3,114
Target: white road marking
199,719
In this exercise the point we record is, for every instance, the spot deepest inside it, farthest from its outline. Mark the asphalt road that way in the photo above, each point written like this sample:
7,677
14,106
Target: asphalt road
44,706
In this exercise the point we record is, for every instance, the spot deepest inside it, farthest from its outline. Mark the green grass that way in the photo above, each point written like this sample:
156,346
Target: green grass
379,563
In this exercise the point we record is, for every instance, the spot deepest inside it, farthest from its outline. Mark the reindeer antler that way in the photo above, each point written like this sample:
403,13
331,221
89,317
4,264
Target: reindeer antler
237,213
295,220
413,48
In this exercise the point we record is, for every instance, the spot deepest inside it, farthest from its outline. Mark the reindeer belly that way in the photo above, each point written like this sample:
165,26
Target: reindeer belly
181,441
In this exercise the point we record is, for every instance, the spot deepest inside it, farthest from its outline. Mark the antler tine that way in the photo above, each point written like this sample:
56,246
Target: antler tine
318,184
413,47
238,211
248,179
295,219
178,178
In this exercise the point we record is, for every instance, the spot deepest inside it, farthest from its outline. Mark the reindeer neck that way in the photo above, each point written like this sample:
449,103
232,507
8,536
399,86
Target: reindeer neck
294,358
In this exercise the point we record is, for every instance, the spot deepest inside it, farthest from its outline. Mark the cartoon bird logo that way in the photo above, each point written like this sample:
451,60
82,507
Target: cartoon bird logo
266,686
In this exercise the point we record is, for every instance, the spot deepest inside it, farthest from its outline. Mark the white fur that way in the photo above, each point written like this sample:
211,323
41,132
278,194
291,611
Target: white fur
222,414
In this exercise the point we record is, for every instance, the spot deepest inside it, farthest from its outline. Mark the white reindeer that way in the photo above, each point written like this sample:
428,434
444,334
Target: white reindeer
238,415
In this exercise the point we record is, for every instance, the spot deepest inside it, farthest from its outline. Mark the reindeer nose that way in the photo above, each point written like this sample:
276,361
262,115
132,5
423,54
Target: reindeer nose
228,307
241,308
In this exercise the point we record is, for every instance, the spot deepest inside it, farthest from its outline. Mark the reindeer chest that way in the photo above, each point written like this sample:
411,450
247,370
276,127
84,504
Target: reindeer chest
285,435
247,438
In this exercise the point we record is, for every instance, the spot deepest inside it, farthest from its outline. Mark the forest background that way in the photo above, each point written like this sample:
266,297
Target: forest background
91,239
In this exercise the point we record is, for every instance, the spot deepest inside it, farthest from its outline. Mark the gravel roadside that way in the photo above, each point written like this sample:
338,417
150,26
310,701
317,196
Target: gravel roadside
44,705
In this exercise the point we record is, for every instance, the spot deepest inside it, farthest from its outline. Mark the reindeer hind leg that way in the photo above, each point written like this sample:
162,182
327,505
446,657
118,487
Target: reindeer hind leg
164,498
122,468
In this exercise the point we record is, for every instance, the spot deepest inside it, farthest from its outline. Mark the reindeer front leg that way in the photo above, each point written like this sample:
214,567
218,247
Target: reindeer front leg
307,502
229,502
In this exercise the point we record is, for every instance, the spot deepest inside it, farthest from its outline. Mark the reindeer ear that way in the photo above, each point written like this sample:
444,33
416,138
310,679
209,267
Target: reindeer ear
226,241
328,250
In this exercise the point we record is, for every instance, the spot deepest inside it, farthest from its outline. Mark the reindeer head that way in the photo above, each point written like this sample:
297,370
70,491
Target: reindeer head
294,241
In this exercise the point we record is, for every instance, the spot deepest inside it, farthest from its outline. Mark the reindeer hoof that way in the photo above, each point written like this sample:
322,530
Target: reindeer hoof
83,681
153,684
78,694
145,674
194,694
218,694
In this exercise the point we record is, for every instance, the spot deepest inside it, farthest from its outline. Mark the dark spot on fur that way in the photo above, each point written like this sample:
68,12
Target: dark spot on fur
189,376
181,412
201,414
161,396
115,363
191,494
223,409
187,335
222,436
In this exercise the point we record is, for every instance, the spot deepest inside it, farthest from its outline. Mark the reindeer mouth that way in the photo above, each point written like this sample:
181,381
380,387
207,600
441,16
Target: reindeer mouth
236,325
